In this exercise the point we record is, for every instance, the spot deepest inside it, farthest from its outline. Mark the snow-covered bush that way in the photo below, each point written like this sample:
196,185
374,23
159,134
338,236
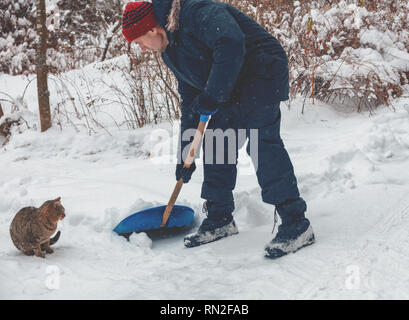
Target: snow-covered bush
78,33
353,51
17,53
84,29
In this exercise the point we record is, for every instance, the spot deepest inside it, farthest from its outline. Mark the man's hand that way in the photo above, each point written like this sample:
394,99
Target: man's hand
205,106
184,173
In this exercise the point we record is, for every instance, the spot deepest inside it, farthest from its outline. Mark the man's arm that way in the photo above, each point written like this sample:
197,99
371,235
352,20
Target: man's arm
211,23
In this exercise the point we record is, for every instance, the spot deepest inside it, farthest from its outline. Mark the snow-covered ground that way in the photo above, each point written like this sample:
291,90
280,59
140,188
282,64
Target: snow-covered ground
352,170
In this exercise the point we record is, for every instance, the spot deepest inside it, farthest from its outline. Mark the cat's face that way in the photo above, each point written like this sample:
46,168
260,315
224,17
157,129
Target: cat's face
56,210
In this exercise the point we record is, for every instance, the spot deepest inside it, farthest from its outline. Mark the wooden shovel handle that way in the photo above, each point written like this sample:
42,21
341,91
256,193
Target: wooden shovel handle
189,160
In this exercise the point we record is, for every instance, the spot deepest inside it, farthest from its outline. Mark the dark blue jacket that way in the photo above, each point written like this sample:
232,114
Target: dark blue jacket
215,47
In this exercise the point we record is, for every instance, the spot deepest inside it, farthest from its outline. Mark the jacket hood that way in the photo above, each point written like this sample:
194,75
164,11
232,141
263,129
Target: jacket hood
167,13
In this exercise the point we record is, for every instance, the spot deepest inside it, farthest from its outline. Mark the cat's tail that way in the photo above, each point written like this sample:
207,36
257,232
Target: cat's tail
55,238
52,240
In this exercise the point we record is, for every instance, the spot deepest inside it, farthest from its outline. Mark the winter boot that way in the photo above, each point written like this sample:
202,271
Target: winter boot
295,231
216,226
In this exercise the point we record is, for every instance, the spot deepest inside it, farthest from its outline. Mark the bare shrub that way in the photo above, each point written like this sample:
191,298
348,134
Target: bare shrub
151,93
138,88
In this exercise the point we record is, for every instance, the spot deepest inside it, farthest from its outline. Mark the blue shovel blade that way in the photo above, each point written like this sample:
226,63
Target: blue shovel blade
150,219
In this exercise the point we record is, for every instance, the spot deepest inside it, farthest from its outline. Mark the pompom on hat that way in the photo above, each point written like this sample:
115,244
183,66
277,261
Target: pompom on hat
137,19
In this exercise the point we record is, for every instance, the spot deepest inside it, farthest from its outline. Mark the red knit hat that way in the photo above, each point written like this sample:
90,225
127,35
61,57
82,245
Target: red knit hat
137,19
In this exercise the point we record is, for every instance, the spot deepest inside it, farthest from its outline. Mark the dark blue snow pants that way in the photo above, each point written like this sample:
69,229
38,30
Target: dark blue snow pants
251,107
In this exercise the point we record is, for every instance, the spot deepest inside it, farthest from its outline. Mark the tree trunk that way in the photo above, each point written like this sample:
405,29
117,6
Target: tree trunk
42,71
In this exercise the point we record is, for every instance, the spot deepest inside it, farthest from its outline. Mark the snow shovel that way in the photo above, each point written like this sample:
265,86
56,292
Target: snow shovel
169,216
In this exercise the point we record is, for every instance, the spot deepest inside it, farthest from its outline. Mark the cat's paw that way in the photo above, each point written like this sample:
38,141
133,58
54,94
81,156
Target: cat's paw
40,255
49,250
29,253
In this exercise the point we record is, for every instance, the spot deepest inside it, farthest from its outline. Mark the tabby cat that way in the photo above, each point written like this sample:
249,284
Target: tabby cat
32,227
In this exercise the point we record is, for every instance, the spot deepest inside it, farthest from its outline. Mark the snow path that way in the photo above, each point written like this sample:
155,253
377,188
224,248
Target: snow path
352,170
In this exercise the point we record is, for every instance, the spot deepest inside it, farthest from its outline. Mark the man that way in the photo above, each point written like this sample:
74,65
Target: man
229,67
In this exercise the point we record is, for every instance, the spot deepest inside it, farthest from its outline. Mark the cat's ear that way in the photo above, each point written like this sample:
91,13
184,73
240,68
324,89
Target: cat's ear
57,200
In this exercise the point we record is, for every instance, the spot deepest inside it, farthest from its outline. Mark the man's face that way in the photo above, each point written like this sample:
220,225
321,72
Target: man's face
154,40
